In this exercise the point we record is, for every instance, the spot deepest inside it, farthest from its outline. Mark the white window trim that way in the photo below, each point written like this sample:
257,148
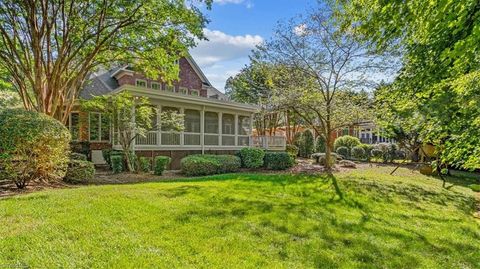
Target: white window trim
183,90
194,90
141,80
171,87
156,83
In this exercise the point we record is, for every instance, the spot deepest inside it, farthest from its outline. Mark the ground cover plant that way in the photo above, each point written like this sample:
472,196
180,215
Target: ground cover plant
248,221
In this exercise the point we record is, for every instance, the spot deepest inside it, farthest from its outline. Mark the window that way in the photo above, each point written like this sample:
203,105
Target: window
141,83
211,127
170,88
192,127
156,86
195,92
228,130
184,90
74,125
99,127
176,62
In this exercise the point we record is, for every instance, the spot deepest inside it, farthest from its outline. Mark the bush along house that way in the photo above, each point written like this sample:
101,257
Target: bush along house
213,124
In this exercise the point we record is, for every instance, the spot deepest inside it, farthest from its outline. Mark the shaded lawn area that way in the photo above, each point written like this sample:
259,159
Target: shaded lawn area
247,220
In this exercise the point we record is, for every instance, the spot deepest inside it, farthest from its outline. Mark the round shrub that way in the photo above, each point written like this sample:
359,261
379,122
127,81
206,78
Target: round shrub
33,146
252,157
358,153
278,160
342,151
368,150
78,156
346,141
117,163
377,153
160,164
202,165
79,171
145,164
292,150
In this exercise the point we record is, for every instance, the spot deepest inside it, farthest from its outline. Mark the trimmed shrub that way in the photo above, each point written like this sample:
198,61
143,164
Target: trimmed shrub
33,146
252,157
343,151
358,153
78,156
320,145
79,171
475,187
160,164
117,163
145,164
346,141
292,150
309,143
388,151
278,160
377,153
202,165
106,156
82,147
368,150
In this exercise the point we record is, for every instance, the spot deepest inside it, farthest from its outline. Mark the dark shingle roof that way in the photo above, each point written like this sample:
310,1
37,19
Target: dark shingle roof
100,83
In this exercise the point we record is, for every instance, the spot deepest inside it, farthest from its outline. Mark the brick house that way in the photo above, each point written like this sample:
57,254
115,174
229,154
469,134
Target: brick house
213,124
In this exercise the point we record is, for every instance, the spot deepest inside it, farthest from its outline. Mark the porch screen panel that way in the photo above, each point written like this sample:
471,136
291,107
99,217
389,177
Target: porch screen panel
243,130
228,130
211,128
169,137
105,128
192,127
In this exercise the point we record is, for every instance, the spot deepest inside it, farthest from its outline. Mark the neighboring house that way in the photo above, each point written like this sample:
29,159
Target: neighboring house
213,124
367,131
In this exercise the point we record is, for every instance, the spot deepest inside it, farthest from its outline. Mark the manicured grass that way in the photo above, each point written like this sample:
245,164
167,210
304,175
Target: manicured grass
247,221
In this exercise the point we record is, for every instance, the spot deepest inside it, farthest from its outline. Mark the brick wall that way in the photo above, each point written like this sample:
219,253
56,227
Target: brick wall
188,78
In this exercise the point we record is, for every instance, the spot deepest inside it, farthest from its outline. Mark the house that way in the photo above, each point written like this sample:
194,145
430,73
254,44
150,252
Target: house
366,130
213,124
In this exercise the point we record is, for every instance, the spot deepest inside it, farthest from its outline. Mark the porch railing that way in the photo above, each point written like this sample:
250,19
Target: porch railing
270,142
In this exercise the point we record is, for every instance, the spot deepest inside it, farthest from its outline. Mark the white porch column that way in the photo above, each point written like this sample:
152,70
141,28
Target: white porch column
236,129
220,115
182,138
159,133
202,129
133,132
250,136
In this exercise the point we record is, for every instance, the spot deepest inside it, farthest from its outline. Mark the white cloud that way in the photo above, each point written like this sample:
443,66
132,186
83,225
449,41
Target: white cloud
223,47
300,29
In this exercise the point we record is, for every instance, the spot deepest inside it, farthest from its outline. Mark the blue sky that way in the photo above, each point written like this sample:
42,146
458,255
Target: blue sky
235,27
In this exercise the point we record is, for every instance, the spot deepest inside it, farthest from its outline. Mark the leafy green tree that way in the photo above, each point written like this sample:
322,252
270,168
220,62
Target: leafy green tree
309,143
320,67
438,44
50,47
320,144
131,117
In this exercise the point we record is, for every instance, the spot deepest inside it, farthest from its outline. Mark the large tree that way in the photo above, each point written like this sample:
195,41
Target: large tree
49,47
321,65
440,43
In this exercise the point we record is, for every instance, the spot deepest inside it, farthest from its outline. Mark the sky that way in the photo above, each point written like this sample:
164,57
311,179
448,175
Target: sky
235,28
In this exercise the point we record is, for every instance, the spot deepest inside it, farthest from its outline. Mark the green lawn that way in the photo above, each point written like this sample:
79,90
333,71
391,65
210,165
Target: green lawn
247,220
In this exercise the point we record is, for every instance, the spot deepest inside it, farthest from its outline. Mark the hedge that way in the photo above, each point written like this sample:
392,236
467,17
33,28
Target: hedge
117,163
160,164
79,171
202,165
252,157
145,164
278,160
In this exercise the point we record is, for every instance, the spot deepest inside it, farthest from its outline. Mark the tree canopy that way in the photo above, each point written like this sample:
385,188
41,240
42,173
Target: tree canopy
439,45
49,47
